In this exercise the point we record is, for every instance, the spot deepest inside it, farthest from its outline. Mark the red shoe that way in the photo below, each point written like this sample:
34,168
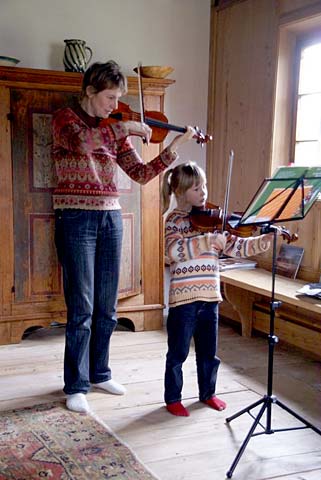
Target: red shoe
215,403
178,409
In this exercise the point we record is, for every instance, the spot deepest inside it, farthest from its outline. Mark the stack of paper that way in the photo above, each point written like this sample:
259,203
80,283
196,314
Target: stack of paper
311,289
230,263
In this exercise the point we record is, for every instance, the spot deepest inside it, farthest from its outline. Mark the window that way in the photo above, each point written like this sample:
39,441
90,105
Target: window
307,144
297,109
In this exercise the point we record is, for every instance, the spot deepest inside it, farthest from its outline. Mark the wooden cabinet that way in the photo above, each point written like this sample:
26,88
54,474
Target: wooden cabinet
30,281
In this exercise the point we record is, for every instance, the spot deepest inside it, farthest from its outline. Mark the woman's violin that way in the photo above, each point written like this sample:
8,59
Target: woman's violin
210,219
157,121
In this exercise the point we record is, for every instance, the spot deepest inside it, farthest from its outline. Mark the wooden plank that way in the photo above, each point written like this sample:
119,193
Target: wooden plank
69,81
260,281
242,288
202,445
240,285
294,334
6,207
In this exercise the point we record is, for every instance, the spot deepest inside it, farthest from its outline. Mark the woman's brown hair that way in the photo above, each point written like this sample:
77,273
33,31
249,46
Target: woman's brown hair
104,75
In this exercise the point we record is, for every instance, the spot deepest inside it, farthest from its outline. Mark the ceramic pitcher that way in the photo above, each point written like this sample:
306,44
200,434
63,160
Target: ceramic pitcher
76,56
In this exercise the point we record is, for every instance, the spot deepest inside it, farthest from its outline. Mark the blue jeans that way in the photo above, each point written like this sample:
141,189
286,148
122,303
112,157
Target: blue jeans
88,244
200,321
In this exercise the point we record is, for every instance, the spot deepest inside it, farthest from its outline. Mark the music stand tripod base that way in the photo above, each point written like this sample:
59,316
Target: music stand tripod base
269,399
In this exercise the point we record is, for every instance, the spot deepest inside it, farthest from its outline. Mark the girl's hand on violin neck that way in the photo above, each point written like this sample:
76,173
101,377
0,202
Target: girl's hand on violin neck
139,129
180,139
217,241
278,230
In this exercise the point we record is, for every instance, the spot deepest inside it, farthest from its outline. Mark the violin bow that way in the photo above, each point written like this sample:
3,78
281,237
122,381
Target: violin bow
227,189
141,98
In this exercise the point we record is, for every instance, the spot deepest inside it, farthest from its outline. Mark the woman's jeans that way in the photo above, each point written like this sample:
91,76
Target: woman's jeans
88,244
200,321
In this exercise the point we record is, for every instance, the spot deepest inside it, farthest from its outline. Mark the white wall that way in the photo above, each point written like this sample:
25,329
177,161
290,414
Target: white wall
155,32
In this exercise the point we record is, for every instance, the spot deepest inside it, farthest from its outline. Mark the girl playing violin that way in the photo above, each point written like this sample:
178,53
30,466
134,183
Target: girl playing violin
194,292
88,231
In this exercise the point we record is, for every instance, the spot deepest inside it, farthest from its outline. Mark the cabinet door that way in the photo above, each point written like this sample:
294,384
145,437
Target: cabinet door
36,269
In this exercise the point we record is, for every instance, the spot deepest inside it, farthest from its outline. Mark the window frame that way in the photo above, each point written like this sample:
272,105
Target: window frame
293,36
304,41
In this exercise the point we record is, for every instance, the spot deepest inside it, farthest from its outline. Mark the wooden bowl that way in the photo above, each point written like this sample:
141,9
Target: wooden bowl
8,61
155,71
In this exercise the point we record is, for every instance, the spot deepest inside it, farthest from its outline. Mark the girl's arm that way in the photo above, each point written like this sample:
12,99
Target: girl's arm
180,243
247,247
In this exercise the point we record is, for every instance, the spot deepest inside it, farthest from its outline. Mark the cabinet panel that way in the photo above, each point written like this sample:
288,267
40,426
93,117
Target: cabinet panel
44,279
36,269
37,272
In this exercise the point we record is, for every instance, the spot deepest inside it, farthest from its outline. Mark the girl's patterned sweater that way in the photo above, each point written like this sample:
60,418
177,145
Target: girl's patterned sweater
194,258
86,156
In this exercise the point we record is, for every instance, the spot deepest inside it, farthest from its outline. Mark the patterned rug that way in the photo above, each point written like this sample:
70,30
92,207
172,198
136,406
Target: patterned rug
49,442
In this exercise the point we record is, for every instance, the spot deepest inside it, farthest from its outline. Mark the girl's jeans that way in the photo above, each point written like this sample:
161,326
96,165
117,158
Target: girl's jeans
88,244
199,320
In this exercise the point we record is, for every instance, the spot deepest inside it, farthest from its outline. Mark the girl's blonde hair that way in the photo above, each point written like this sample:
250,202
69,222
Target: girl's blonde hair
179,179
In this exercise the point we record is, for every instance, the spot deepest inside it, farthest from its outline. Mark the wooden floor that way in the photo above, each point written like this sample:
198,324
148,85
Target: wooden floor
202,446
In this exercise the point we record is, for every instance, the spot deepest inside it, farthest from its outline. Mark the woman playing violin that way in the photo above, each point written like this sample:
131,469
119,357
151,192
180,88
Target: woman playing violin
88,229
194,292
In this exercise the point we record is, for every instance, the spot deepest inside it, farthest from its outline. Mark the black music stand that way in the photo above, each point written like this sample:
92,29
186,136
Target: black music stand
285,197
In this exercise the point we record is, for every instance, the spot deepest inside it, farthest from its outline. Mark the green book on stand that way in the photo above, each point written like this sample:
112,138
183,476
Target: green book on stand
288,195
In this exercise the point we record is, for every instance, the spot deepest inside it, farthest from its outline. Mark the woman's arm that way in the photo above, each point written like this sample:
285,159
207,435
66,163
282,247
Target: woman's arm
129,160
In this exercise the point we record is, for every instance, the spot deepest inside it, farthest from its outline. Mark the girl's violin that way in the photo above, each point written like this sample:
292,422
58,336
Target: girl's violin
157,121
210,219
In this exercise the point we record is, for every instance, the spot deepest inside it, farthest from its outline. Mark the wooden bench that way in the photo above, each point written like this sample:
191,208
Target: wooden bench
298,321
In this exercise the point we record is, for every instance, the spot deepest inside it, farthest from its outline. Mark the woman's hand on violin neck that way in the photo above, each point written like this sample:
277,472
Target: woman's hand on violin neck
180,139
139,129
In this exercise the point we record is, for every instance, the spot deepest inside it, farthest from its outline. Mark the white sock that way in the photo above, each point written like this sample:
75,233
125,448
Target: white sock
77,402
112,387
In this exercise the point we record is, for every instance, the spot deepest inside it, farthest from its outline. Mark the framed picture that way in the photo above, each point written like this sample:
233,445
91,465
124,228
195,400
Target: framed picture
288,260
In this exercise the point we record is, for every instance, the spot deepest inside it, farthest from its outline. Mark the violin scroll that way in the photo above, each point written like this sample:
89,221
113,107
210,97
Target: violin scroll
286,235
202,137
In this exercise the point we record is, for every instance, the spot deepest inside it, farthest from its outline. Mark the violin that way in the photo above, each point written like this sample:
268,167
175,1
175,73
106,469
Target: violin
157,121
210,219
